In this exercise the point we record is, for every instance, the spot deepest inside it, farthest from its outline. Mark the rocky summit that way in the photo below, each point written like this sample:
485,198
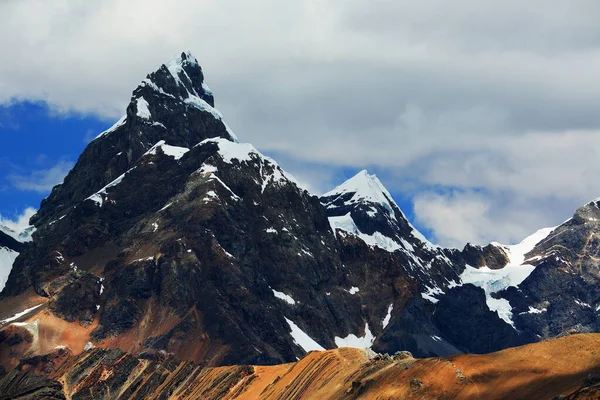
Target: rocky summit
171,240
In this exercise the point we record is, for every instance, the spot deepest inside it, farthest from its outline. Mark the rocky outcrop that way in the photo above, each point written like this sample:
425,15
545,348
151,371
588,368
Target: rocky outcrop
10,243
488,256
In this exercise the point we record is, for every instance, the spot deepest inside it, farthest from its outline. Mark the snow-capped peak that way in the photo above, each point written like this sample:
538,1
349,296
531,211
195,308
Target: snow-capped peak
177,68
365,187
184,58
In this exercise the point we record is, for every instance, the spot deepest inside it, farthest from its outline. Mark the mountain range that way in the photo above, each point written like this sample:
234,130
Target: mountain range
170,240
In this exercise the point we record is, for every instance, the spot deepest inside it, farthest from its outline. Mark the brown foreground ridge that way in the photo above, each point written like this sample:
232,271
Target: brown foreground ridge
567,366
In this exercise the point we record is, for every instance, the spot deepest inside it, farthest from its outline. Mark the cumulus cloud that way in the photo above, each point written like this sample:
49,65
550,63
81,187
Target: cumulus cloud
41,180
475,96
458,217
18,223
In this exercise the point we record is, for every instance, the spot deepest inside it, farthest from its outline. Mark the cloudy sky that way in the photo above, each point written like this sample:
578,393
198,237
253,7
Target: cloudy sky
481,117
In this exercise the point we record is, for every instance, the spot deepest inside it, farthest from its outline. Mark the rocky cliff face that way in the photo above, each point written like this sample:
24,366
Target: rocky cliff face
562,294
171,236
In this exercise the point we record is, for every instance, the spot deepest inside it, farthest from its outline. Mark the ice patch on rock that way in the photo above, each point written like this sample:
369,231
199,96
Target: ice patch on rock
302,339
282,296
20,314
171,151
388,316
142,108
347,224
352,340
7,259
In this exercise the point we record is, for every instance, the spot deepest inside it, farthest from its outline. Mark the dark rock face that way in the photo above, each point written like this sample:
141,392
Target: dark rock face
490,256
10,243
414,328
479,330
76,298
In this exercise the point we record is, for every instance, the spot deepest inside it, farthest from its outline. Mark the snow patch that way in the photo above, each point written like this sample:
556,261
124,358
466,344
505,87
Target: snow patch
388,316
534,311
20,314
142,108
302,339
165,207
582,304
352,340
172,151
280,295
7,259
210,195
305,252
431,292
98,197
347,224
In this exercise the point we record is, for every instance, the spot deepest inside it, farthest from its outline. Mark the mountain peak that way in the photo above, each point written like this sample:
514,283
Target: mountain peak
181,77
172,104
365,187
180,80
366,206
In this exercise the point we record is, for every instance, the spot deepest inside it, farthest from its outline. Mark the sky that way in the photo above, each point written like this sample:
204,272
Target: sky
481,117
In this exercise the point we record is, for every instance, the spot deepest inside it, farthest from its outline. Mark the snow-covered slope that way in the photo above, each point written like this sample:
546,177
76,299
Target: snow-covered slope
516,253
9,250
23,235
7,258
515,272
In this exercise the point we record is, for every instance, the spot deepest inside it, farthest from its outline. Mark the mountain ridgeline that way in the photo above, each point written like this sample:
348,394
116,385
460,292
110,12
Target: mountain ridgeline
171,236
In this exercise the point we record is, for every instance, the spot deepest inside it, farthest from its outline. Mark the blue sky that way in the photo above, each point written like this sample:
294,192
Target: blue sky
38,148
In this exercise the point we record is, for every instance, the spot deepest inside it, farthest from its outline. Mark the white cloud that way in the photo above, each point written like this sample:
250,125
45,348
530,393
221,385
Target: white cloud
477,97
459,217
41,180
19,222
